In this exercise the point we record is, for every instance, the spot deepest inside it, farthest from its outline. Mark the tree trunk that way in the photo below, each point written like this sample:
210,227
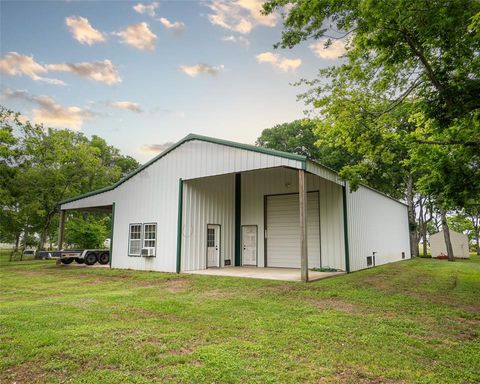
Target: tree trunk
17,242
476,233
46,226
446,235
412,223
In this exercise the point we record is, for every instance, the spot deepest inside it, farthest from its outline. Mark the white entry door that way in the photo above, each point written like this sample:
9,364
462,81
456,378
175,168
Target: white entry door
249,245
213,245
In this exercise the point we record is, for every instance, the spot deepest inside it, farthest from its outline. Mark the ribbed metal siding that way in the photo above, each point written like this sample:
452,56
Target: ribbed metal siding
255,185
378,224
207,201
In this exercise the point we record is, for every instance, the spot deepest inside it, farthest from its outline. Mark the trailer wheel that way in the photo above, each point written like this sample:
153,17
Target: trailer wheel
67,261
104,258
90,258
79,261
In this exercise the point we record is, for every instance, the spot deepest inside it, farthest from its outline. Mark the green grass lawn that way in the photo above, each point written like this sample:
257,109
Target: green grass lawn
412,321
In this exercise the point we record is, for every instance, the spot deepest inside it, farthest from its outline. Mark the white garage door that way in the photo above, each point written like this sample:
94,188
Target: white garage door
283,231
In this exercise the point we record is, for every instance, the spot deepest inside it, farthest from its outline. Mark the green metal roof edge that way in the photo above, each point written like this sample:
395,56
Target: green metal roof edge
190,137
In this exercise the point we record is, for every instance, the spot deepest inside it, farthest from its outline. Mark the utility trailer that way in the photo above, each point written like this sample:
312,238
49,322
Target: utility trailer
82,256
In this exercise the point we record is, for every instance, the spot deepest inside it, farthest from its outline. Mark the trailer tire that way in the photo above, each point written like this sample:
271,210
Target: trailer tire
90,258
103,258
79,261
67,261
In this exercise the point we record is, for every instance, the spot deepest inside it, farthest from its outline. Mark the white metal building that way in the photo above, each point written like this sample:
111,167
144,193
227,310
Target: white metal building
459,244
207,203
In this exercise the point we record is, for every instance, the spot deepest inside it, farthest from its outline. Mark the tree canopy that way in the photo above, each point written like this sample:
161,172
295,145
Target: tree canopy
42,166
403,101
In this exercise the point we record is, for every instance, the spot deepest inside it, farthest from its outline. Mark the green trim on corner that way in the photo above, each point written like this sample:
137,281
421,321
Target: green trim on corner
345,229
187,138
179,225
111,235
238,217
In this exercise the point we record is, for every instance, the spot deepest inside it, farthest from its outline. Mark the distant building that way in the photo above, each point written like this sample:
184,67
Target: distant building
459,244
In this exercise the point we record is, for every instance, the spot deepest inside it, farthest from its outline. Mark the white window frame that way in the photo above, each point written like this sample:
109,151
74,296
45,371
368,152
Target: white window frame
144,239
130,239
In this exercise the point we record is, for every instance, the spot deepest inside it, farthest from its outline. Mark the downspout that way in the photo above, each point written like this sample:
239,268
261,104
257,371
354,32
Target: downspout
345,229
179,225
111,235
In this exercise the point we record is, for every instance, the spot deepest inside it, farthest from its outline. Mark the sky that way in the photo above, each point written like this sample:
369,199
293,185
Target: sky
143,75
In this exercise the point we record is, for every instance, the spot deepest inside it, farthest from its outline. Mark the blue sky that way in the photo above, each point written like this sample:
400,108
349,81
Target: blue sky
142,74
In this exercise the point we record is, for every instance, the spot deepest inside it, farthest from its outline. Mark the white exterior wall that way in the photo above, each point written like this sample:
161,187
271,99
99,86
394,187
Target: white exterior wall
255,185
152,196
207,201
376,223
459,243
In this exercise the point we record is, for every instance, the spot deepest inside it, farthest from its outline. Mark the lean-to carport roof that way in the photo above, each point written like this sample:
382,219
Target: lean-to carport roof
307,164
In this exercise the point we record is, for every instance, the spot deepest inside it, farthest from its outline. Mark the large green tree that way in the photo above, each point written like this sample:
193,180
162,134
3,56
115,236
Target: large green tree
43,166
299,137
414,63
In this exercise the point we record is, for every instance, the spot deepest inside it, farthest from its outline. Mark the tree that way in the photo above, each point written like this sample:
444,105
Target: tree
49,166
420,57
87,231
468,222
298,137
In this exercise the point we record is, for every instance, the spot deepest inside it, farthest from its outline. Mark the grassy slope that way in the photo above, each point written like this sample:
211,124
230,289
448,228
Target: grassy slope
414,321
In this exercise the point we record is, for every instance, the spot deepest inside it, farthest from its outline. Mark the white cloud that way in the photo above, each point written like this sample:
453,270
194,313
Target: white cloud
278,61
50,113
178,27
129,105
239,15
15,64
139,36
155,148
242,40
148,9
82,30
195,70
103,71
332,52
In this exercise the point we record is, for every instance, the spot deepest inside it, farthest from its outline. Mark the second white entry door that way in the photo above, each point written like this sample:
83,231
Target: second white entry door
213,245
249,245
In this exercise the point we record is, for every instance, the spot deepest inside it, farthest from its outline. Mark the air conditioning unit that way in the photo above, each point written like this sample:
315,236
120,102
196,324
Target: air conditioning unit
148,252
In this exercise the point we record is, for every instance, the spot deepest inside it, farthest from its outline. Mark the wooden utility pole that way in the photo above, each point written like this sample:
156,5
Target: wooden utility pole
61,228
302,199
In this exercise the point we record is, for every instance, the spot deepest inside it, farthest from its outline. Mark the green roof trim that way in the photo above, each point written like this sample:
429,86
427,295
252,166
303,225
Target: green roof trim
191,137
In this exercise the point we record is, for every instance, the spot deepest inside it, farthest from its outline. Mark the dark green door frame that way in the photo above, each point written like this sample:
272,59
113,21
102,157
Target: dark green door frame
238,217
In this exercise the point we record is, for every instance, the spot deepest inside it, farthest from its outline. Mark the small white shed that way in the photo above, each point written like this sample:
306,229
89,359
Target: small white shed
459,244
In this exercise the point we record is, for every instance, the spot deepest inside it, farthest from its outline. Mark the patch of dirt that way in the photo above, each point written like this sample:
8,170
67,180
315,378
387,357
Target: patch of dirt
216,294
337,304
29,372
32,273
183,350
177,285
354,377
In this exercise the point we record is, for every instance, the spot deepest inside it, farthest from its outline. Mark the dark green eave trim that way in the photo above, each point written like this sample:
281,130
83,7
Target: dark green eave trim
179,226
191,137
345,229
